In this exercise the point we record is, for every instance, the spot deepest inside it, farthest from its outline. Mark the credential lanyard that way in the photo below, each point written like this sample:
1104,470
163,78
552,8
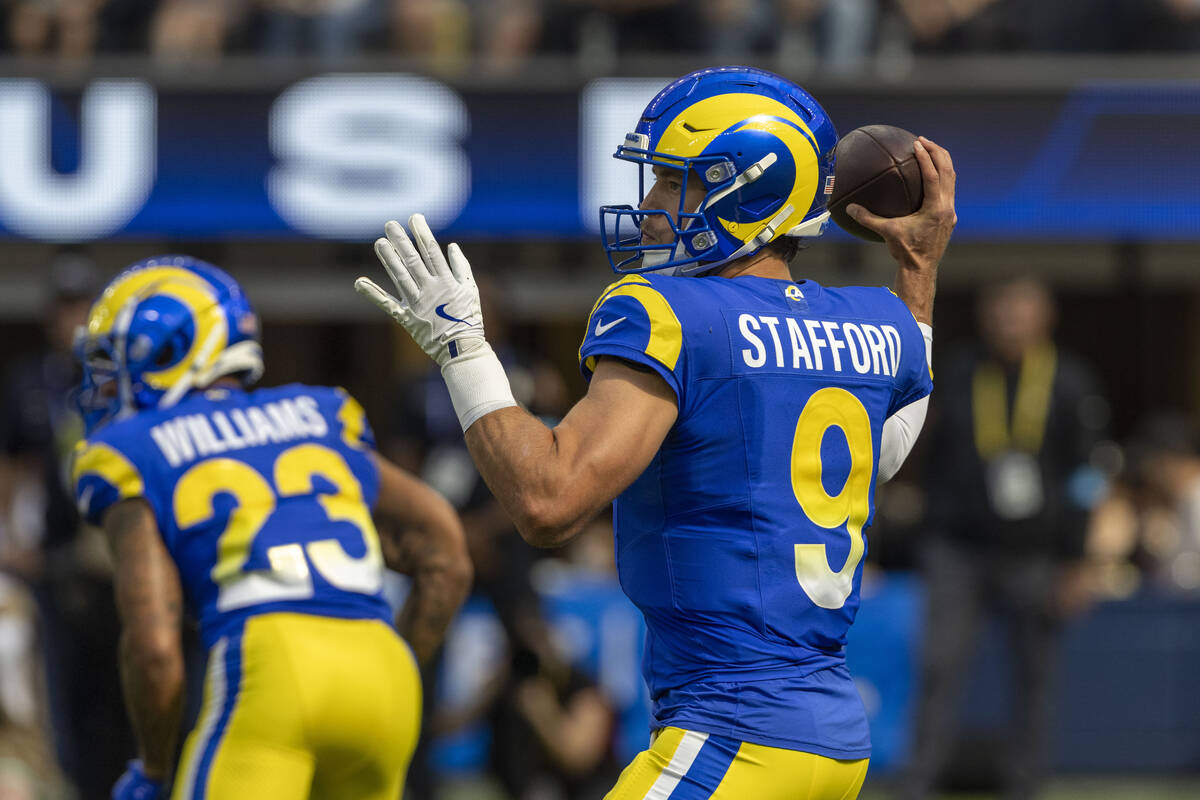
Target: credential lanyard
989,404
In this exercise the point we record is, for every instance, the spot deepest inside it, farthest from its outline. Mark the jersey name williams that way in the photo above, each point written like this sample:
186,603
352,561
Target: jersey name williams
784,342
195,436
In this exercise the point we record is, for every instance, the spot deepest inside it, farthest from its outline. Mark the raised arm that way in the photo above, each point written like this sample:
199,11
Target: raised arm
552,481
549,481
150,605
918,242
428,546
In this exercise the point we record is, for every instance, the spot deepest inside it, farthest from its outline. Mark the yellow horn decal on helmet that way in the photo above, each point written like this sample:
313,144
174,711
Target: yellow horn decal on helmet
695,128
180,284
804,189
105,310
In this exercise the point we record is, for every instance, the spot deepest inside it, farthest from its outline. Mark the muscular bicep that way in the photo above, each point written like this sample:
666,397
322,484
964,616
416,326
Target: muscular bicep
552,481
146,581
613,433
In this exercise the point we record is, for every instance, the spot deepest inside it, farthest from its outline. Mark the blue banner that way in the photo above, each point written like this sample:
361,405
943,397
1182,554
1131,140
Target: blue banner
333,156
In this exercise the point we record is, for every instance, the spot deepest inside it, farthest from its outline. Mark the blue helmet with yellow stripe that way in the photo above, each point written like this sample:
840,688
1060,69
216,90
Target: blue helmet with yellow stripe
161,328
763,150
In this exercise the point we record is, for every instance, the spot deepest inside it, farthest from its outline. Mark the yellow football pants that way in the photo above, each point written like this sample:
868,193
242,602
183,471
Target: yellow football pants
686,765
299,706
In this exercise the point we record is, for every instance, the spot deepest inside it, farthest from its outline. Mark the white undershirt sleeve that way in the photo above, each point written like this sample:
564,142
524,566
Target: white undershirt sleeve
901,429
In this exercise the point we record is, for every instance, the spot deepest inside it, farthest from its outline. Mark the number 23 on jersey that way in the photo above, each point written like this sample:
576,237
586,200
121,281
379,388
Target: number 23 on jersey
289,576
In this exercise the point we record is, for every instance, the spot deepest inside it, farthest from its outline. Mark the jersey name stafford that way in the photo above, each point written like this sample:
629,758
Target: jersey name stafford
194,436
771,342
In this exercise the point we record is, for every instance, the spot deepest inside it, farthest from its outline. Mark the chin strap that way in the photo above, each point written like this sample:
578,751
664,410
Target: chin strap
811,228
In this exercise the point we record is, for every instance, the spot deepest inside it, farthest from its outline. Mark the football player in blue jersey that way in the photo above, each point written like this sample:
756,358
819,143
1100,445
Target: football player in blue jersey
738,420
252,509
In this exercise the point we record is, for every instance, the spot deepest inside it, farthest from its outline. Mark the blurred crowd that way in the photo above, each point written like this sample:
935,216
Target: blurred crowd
1032,512
499,35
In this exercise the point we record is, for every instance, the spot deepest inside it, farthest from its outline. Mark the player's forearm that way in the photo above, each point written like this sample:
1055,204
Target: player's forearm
436,595
528,471
152,674
916,285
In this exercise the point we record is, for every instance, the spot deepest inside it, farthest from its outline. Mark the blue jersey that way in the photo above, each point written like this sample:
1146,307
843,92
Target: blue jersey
742,543
263,499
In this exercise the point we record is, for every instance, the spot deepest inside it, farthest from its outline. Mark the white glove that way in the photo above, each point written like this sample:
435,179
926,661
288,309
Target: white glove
439,301
439,307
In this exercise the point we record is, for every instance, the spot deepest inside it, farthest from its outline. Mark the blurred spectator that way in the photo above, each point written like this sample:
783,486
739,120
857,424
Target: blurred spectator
28,770
1015,423
836,34
27,766
966,26
551,725
328,29
65,564
39,427
1161,501
599,31
932,21
738,27
191,30
68,29
498,36
447,32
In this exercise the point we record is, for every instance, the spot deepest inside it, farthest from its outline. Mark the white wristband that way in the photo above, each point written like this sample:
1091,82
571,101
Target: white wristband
477,384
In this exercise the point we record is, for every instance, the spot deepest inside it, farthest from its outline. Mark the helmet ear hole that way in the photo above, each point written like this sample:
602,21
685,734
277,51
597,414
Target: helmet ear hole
172,350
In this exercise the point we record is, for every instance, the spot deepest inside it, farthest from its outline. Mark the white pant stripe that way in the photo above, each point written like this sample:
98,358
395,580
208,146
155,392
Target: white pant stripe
215,685
681,762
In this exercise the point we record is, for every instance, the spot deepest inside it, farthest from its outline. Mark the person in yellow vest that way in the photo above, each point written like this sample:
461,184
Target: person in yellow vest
1014,426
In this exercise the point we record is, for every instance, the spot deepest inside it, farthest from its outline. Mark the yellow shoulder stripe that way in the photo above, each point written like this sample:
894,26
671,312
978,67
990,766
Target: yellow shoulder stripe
627,280
353,420
108,463
624,281
666,334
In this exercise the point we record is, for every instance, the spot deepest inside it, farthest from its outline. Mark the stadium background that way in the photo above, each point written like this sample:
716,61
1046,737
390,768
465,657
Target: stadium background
274,140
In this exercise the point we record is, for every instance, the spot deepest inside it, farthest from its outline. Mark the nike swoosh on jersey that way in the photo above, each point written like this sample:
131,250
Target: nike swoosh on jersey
602,328
441,312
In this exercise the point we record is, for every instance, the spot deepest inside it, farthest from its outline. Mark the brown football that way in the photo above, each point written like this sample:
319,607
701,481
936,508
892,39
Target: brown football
876,168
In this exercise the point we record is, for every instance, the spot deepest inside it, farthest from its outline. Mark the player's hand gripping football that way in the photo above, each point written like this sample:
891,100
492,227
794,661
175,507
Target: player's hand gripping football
438,301
919,240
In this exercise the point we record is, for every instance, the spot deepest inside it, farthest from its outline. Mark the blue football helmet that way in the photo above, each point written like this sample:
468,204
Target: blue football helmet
763,149
162,328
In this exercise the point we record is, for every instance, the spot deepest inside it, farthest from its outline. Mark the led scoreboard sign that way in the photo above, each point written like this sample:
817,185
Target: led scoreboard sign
333,156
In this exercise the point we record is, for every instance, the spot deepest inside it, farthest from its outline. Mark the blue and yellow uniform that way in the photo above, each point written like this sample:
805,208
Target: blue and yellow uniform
742,542
263,499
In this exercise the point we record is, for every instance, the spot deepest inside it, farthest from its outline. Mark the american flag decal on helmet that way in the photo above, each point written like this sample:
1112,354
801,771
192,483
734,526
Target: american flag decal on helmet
829,185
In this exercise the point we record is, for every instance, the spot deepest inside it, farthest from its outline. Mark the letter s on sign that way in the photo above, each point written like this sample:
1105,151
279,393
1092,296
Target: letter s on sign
357,150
